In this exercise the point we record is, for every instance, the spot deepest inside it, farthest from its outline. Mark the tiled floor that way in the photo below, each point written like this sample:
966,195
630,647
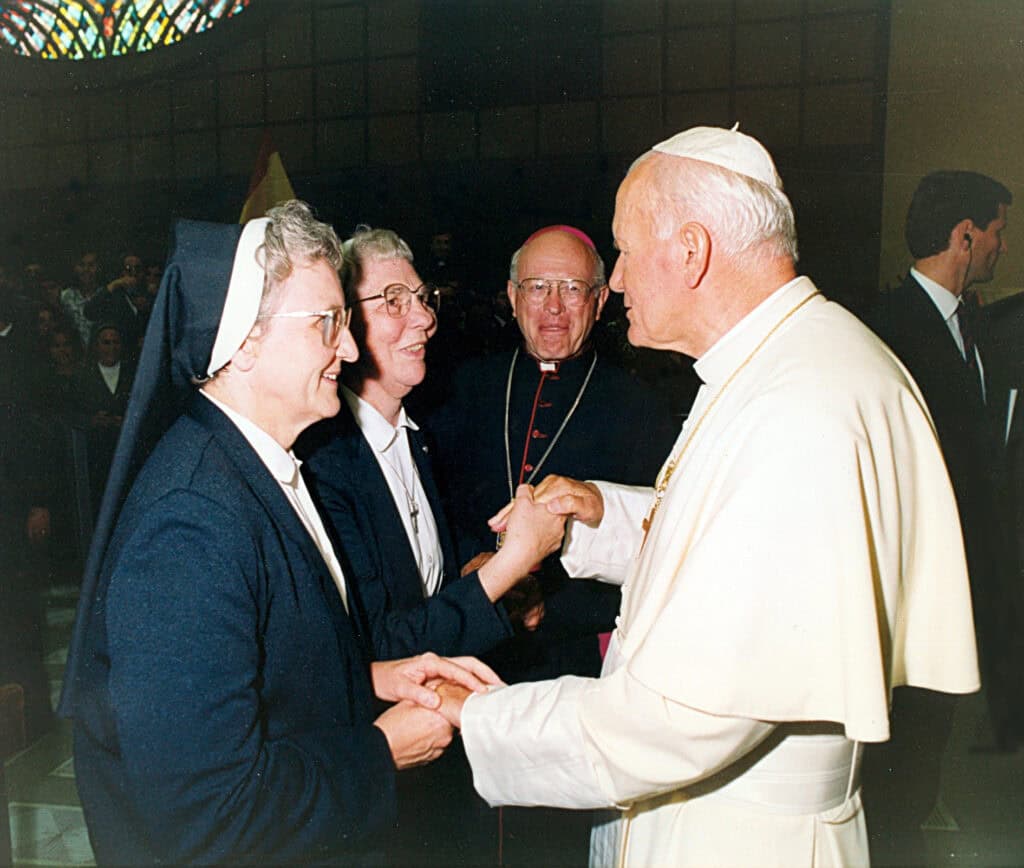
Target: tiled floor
47,827
979,823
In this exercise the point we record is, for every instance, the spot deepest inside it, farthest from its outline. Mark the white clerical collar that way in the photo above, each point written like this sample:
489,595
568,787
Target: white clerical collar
281,463
379,432
553,366
717,363
942,298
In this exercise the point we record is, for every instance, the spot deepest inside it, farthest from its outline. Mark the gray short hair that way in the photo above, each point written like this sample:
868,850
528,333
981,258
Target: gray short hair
597,276
743,213
294,236
369,244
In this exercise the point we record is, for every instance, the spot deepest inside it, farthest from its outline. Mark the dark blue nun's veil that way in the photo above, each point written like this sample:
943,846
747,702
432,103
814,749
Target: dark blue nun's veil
175,354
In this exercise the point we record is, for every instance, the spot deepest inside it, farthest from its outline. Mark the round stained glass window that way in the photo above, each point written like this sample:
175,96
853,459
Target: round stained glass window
92,29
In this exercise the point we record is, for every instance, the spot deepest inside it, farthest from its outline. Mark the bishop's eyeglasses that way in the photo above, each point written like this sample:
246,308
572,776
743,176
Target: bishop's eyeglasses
573,293
333,321
398,298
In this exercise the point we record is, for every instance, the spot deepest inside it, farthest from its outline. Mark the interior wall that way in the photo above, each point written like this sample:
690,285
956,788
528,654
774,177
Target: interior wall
489,117
955,101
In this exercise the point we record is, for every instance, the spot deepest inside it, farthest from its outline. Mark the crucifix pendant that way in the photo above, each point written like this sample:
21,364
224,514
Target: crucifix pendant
649,519
414,512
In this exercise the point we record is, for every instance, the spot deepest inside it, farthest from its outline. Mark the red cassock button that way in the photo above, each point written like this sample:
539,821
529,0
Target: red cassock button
527,467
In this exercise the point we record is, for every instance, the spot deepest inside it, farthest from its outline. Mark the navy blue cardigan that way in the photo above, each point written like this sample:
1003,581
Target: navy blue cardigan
224,709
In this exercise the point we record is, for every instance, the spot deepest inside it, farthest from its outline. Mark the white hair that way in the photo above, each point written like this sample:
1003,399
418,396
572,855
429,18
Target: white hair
741,213
368,244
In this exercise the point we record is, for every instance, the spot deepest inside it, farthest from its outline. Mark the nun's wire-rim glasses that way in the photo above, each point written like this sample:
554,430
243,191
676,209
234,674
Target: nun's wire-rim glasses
398,298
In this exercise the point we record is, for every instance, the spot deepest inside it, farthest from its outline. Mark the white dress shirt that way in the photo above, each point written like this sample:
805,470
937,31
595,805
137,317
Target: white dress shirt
111,375
284,467
390,445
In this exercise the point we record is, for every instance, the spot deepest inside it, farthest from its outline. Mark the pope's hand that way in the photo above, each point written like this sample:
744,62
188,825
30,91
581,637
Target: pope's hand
396,680
581,501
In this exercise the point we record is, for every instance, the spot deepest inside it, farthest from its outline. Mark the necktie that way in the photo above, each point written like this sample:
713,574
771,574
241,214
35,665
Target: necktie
964,320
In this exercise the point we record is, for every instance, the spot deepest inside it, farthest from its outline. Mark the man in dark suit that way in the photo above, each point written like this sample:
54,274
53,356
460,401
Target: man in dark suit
99,398
224,710
954,231
553,405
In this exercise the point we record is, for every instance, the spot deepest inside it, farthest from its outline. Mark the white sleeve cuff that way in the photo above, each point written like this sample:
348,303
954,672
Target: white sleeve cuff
525,745
605,552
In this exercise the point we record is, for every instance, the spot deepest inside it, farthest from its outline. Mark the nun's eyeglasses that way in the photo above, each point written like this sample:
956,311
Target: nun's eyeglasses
398,298
333,321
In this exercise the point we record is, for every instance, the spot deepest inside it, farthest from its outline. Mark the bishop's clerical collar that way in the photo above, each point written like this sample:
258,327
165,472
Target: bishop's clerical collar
553,366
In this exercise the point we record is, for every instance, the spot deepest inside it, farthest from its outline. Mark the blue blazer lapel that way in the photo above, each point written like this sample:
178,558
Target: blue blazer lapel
269,493
393,554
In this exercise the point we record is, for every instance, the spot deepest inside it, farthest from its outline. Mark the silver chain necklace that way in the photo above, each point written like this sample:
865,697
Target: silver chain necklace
558,433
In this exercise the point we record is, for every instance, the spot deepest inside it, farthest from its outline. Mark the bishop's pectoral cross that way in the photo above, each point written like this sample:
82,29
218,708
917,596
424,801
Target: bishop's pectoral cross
414,514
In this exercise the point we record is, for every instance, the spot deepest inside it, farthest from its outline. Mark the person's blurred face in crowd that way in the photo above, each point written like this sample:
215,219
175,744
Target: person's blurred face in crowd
555,301
441,246
153,274
87,271
62,350
392,328
294,362
131,266
108,347
49,291
44,322
33,275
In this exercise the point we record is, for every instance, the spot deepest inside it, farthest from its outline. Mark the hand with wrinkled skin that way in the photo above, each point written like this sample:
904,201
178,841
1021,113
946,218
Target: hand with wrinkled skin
531,534
415,735
407,679
581,501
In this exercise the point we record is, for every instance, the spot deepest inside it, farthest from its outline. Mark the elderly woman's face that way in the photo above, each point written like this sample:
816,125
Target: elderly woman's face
297,373
394,348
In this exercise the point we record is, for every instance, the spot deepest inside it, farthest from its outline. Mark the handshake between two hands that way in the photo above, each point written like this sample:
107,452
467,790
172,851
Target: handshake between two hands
429,691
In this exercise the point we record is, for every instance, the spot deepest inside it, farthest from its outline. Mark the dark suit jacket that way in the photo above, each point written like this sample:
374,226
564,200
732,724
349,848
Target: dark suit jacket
224,710
90,394
908,321
971,434
394,619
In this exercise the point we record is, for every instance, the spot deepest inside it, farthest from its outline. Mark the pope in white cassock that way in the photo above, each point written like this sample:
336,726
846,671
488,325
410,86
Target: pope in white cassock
798,556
